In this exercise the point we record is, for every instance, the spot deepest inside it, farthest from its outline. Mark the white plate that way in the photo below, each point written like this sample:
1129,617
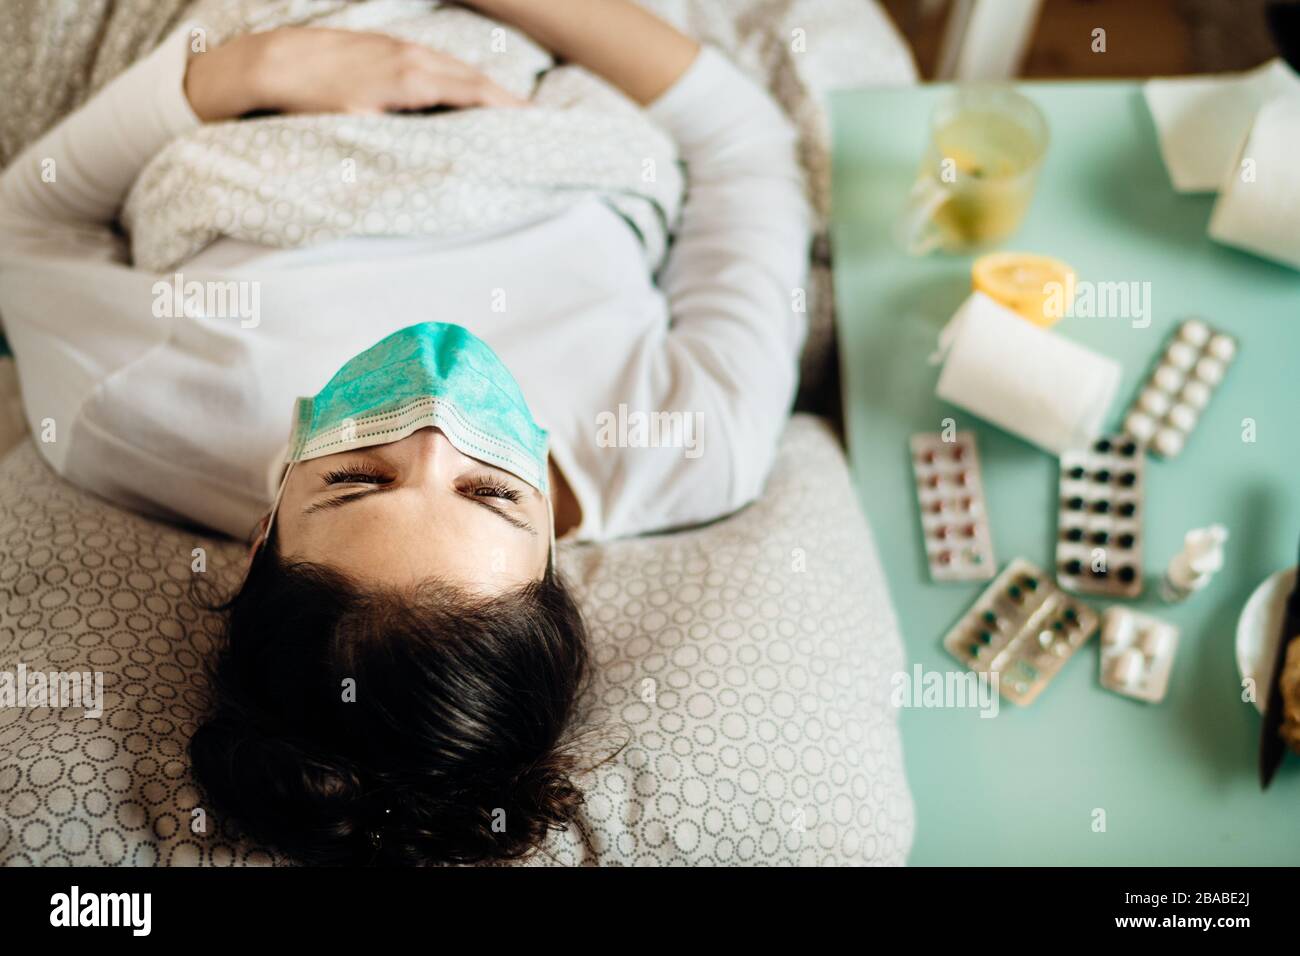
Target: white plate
1258,629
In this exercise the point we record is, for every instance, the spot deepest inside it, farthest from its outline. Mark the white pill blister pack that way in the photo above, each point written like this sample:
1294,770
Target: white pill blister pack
1171,402
1137,654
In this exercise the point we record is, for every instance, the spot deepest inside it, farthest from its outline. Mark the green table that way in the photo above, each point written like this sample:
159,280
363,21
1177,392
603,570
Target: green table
1177,781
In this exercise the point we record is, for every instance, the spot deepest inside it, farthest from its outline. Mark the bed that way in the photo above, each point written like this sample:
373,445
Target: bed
746,664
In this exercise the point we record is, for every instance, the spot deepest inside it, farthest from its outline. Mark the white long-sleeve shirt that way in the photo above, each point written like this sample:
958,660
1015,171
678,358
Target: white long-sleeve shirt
187,417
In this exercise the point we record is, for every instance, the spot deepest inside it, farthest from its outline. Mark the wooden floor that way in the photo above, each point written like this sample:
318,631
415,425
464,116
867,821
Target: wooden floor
1143,37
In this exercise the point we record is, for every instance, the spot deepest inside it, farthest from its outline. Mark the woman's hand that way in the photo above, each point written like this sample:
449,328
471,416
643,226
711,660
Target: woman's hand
310,70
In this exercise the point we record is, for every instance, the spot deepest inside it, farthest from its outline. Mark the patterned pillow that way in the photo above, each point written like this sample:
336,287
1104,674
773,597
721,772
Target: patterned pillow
747,664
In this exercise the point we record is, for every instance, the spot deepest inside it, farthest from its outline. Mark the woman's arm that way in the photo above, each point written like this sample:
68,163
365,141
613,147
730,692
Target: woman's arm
735,283
734,278
630,47
71,182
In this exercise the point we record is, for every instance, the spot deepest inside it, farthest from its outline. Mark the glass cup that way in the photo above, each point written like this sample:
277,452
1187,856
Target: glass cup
985,148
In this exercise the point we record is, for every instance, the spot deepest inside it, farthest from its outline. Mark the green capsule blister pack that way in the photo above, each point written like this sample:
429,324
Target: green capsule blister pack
1022,628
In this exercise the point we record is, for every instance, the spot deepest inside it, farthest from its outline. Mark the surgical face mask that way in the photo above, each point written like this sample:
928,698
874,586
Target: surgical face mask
429,375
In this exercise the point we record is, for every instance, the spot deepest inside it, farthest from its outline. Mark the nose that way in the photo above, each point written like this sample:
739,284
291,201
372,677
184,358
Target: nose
431,455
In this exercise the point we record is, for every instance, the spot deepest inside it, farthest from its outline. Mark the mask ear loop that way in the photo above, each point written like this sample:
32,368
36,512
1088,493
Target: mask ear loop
265,535
550,514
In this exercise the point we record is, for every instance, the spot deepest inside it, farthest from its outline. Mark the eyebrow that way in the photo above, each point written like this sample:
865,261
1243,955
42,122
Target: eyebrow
338,501
517,522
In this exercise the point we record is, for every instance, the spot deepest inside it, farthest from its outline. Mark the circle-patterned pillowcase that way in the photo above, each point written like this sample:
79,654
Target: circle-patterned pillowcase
745,666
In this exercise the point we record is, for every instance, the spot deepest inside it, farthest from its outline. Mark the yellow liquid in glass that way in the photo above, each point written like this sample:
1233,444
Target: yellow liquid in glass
992,159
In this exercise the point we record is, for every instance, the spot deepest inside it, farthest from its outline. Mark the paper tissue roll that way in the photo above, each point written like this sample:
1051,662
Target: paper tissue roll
1259,203
1027,380
1201,121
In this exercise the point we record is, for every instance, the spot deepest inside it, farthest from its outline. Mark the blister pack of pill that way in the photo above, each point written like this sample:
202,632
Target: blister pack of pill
954,516
1171,402
1137,654
1023,628
1099,518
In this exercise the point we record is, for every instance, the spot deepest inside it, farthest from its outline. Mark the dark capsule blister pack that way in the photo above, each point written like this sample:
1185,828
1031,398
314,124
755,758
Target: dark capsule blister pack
954,517
1099,528
1023,628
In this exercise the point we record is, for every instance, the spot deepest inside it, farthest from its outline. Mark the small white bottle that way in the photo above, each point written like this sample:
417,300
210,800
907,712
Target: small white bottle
1192,567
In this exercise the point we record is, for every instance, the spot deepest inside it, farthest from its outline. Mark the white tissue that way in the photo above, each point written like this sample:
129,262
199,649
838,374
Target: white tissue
1259,208
1030,381
1201,121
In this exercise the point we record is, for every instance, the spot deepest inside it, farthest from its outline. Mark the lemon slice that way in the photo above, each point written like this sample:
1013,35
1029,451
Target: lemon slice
1038,287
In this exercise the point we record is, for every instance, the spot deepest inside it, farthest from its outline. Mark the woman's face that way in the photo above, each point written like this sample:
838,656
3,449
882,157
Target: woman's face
415,509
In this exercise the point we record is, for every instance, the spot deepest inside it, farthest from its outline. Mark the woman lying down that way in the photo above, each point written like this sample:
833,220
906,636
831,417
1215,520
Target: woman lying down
401,664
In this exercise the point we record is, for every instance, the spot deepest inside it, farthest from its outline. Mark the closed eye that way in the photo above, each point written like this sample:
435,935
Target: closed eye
489,487
486,488
356,476
365,478
483,490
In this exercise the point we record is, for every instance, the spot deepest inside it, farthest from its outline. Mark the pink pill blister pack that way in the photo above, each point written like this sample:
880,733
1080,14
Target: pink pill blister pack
954,515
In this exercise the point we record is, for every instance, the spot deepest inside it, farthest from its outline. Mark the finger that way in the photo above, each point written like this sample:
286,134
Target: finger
461,90
472,88
493,93
496,95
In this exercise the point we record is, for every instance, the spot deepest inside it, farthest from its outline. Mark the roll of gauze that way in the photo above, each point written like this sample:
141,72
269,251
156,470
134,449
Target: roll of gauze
1027,380
1259,202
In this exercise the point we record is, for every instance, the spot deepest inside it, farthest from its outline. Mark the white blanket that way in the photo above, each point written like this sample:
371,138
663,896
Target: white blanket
299,180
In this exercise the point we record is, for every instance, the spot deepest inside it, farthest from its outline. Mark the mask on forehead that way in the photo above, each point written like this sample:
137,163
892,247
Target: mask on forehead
432,374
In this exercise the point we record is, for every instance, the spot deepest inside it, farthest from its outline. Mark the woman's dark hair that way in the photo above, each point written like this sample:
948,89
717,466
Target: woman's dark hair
358,725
